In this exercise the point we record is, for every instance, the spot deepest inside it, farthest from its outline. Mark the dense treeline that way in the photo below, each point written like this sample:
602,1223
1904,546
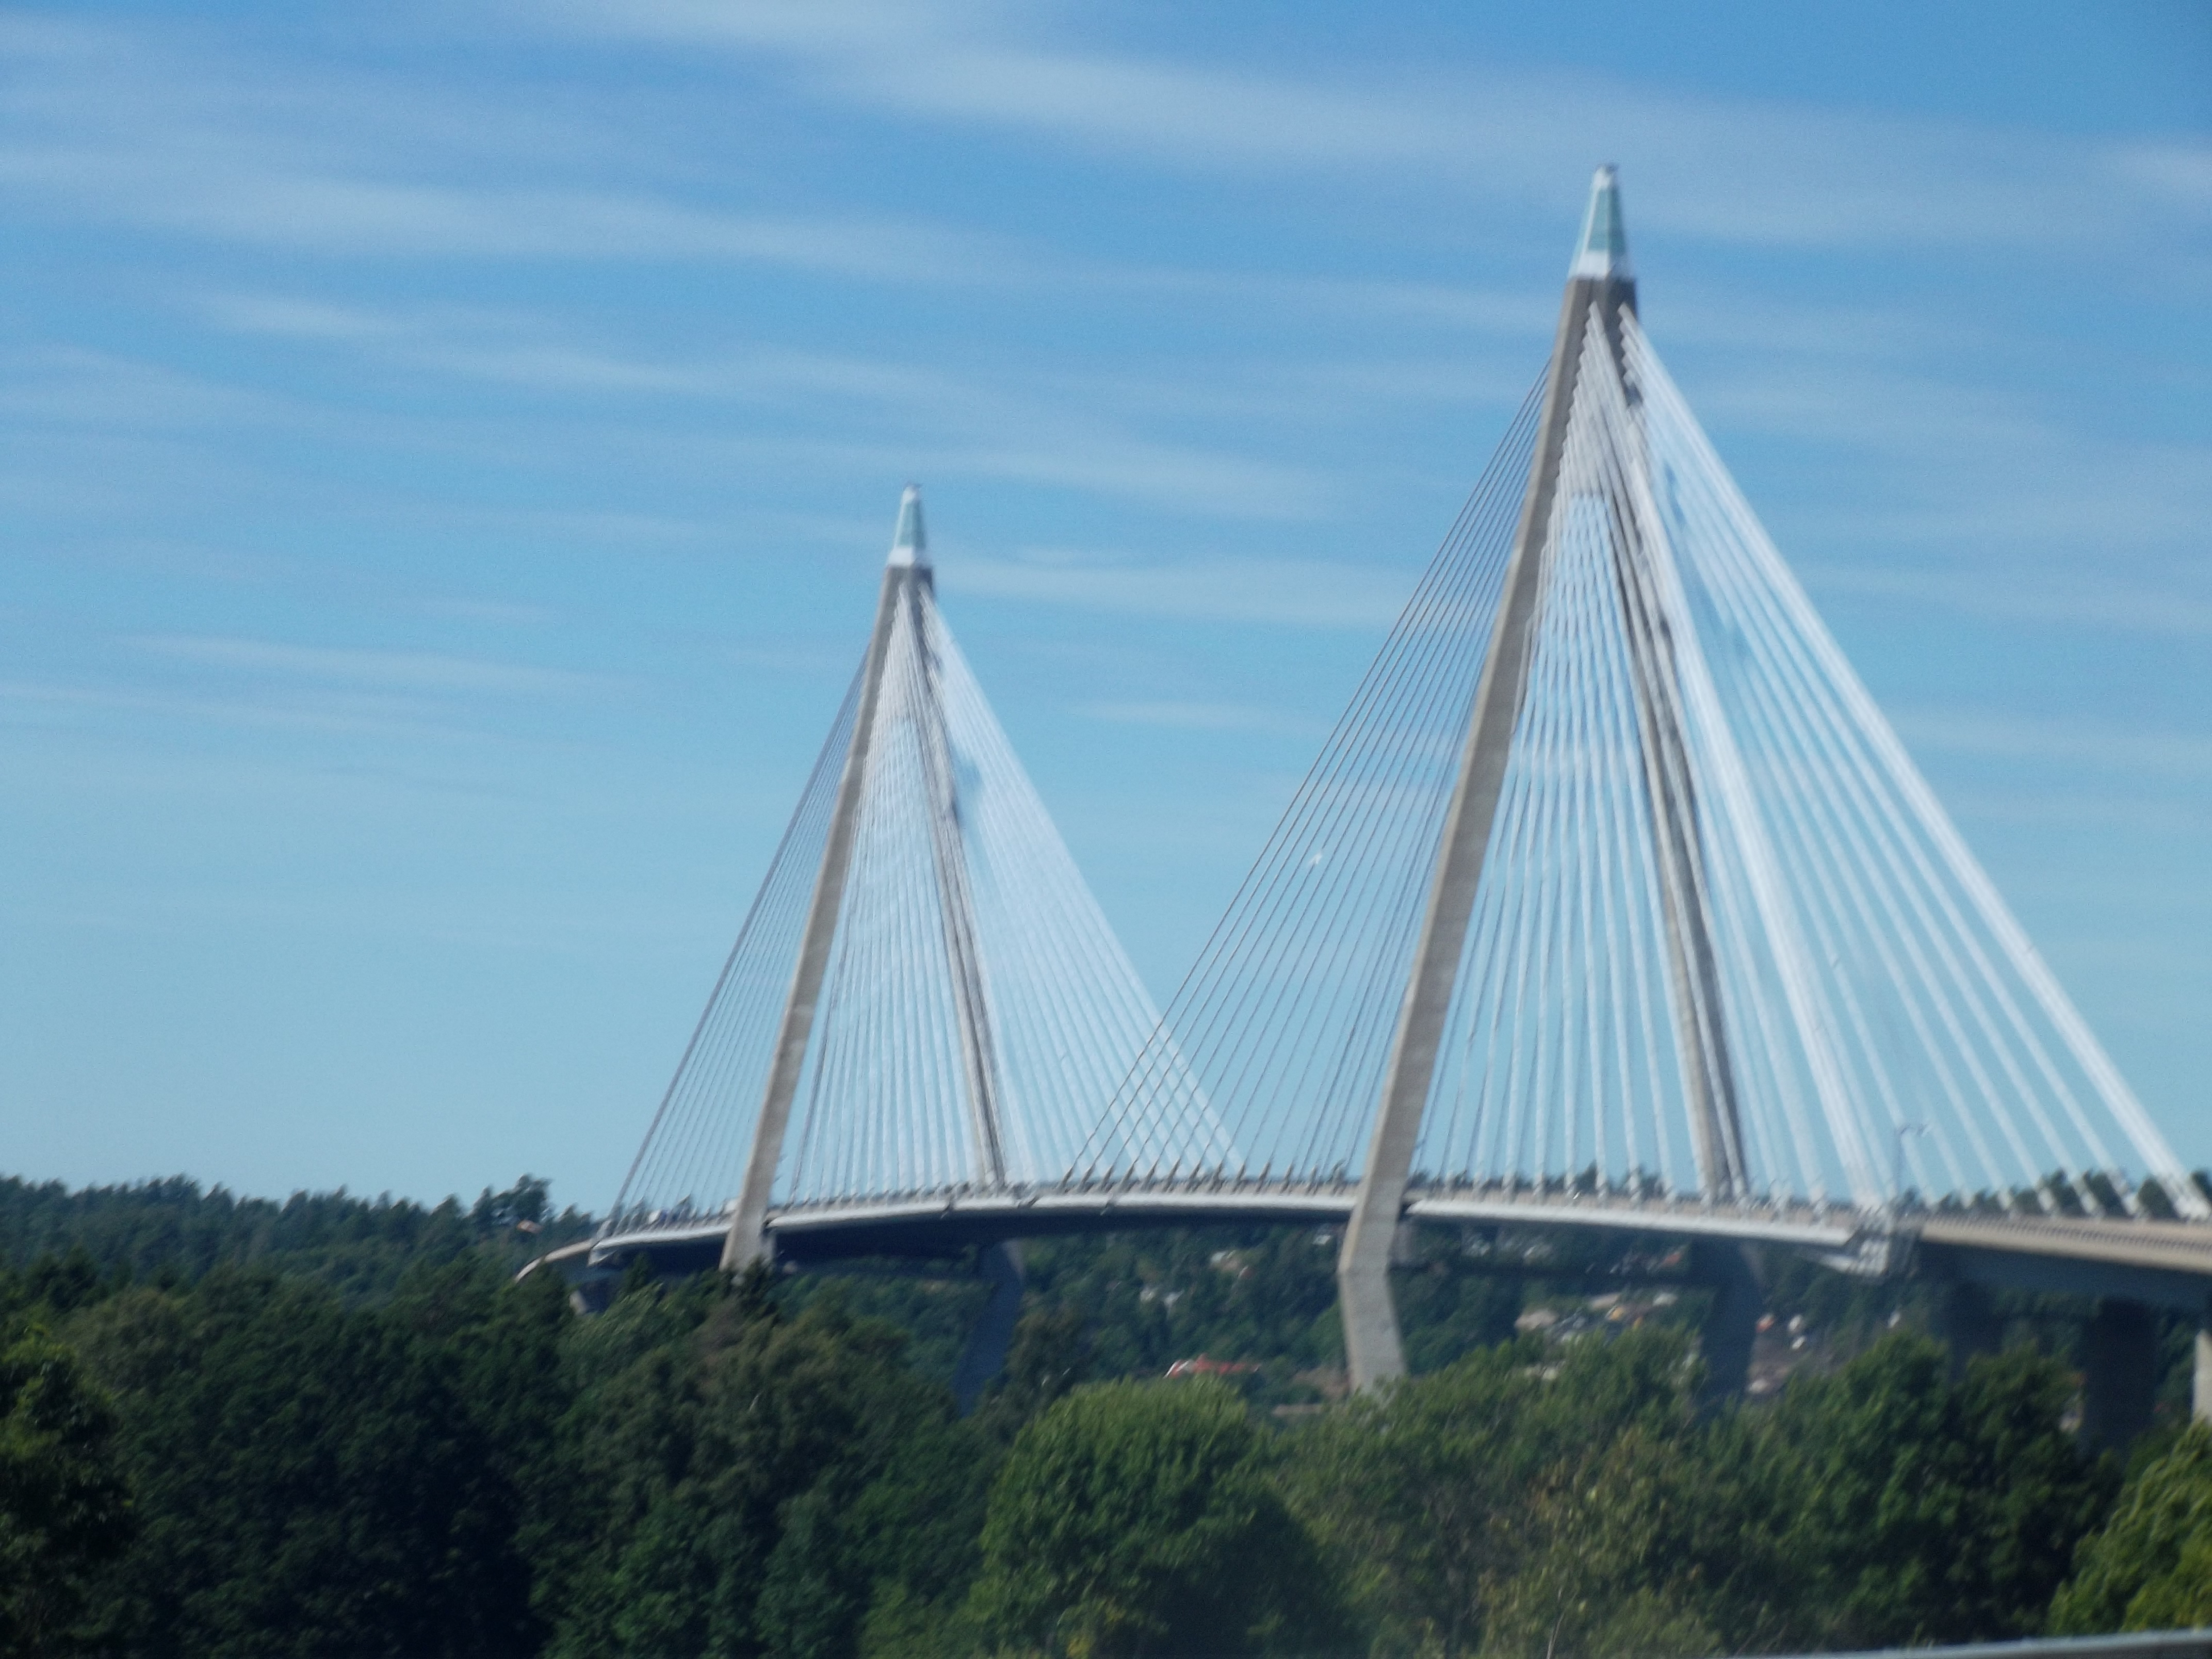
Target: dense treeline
264,1455
177,1228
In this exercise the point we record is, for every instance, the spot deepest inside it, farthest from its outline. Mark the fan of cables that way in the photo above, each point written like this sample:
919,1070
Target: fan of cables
976,1011
1726,939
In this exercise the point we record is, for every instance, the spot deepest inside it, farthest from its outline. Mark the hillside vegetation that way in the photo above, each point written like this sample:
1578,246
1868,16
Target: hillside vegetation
337,1426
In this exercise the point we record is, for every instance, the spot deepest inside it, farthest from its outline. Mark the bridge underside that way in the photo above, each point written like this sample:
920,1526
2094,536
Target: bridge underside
2159,1264
2133,1268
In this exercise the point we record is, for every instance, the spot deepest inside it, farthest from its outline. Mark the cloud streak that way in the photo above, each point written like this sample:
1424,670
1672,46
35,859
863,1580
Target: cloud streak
2109,604
1067,433
1199,716
2173,758
153,130
401,671
1738,171
1283,593
156,130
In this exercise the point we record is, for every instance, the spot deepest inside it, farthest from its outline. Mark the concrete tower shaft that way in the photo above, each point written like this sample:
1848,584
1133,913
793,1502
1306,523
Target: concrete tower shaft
1600,291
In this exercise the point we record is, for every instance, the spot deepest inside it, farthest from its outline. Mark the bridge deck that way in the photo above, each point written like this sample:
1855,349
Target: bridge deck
2168,1263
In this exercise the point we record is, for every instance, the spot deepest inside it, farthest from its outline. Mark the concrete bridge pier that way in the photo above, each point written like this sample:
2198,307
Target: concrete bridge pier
1732,1322
2200,1392
1966,1322
2119,1364
985,1356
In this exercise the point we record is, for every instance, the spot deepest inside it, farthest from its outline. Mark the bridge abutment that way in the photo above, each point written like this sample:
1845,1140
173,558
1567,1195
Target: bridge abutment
2119,1381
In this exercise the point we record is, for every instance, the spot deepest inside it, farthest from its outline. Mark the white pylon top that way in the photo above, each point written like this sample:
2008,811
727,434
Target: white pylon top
1603,250
909,544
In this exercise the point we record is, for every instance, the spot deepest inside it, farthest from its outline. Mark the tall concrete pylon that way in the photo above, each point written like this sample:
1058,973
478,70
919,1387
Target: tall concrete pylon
925,997
907,566
908,582
1600,291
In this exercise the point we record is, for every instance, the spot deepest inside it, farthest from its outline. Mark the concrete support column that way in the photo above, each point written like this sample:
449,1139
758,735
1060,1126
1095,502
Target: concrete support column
1405,1246
2119,1373
1967,1323
2200,1392
748,1241
1599,289
1732,1322
985,1356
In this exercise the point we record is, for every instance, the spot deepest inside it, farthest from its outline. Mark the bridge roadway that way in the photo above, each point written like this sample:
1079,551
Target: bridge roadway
2165,1264
2134,1268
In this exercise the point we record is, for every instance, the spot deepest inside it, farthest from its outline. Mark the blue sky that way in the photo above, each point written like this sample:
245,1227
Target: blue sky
445,453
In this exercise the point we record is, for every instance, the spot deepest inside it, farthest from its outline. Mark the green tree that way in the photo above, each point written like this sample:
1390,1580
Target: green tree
1138,1519
1048,1357
64,1511
2150,1567
177,1230
751,1484
1426,1495
1656,1543
1147,1299
316,1478
1924,1510
1447,1305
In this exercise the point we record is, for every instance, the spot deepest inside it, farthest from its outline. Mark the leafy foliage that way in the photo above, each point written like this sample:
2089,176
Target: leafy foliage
315,1477
1137,1518
1425,1491
1519,1503
64,1510
1150,1298
175,1230
750,1486
2150,1567
1927,1511
338,1427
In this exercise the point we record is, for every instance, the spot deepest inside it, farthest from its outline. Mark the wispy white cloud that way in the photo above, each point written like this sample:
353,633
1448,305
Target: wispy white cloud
2178,757
1734,170
1197,716
1286,592
154,129
1084,433
544,525
2107,602
2108,812
332,214
543,351
548,352
495,613
1899,409
1465,308
36,703
53,386
1919,448
402,671
365,693
974,64
1735,322
2181,173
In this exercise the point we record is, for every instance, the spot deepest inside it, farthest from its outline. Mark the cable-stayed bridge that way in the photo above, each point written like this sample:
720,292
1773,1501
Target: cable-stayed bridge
1612,902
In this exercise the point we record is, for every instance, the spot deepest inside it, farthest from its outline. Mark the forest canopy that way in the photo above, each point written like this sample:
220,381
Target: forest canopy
340,1426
